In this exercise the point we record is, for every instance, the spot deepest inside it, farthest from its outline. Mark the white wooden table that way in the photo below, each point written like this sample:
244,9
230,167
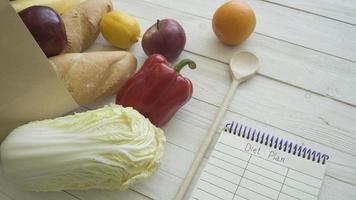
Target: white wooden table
305,90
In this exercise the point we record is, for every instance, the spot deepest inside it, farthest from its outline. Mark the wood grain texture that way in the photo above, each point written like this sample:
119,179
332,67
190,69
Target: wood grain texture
186,131
342,10
298,119
311,70
211,81
192,123
162,185
298,111
339,160
301,94
165,182
213,89
215,124
287,24
339,190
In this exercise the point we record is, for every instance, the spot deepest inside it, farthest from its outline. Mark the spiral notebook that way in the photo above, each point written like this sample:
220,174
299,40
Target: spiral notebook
247,164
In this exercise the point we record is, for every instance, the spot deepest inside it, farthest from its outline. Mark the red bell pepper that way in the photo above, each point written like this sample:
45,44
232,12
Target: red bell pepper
157,90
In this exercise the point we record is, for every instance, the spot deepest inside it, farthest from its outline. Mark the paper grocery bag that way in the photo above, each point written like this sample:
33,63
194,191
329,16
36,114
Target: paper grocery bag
29,87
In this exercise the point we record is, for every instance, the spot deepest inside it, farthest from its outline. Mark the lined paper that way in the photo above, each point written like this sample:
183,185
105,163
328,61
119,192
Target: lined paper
241,169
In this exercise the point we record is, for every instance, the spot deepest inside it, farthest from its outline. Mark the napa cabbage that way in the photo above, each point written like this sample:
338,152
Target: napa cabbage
108,148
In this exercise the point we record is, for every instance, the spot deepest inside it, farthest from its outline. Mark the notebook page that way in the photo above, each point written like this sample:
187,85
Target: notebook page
241,169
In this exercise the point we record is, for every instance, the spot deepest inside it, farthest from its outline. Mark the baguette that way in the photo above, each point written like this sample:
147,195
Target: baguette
95,75
82,24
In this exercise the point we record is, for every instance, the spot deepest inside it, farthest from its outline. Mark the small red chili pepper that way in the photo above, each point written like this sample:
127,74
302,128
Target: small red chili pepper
157,90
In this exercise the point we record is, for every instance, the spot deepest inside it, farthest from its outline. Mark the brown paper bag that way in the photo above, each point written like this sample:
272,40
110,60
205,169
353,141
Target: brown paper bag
29,87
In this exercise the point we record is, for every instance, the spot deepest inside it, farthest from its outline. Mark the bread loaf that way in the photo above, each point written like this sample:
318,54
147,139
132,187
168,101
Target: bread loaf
82,24
91,76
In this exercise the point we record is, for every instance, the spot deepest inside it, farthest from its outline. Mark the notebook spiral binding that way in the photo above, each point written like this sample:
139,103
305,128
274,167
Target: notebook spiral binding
275,142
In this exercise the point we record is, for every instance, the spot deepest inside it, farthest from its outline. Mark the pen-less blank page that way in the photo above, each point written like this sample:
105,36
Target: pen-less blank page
240,168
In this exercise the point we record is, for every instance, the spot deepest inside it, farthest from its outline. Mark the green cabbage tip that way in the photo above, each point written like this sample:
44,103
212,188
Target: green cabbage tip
108,148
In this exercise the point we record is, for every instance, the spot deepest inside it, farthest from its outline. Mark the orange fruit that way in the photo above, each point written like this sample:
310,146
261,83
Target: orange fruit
233,22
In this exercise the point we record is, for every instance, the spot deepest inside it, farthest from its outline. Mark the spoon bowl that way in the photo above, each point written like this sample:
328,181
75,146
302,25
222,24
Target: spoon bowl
243,65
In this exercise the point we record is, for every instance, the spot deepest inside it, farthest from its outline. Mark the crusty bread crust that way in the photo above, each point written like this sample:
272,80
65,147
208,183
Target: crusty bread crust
95,75
82,24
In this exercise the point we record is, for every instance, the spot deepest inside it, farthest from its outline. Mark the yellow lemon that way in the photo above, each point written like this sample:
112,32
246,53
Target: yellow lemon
120,29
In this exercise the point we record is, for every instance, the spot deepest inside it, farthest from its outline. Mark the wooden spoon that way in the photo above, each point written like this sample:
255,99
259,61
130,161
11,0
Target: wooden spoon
243,65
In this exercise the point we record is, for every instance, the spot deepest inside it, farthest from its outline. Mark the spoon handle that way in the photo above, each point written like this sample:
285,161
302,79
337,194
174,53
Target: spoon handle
206,143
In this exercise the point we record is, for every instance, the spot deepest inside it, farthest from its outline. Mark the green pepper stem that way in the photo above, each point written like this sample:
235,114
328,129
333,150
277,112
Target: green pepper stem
157,25
183,63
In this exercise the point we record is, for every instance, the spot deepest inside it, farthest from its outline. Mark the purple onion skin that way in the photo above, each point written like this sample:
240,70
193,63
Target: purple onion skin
166,37
46,27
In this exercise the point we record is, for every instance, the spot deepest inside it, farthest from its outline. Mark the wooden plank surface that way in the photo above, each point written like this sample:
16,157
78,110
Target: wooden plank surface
311,116
286,24
292,64
187,129
341,10
164,184
305,90
206,89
